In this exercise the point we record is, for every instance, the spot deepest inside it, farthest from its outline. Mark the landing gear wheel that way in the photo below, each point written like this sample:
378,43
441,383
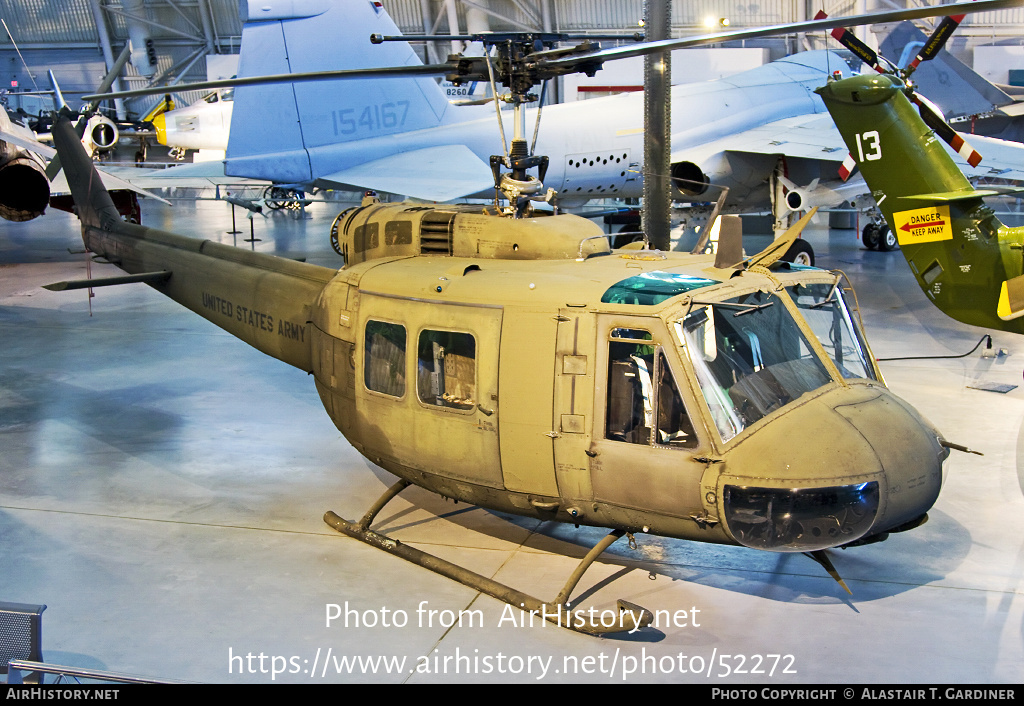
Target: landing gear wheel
887,239
870,236
278,198
800,253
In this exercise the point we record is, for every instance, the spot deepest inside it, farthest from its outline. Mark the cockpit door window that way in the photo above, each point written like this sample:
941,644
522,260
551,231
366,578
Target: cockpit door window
827,313
644,404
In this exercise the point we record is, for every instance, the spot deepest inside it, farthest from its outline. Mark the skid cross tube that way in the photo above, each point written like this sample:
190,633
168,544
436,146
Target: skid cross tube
629,617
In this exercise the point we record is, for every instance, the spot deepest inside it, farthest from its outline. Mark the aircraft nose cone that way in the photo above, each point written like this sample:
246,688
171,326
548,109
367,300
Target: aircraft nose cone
160,124
848,464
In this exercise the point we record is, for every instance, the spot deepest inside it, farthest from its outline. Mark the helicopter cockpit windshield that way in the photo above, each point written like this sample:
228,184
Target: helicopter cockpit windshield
750,358
825,310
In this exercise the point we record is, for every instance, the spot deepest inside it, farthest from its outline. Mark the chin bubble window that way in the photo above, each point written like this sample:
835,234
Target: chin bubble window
800,519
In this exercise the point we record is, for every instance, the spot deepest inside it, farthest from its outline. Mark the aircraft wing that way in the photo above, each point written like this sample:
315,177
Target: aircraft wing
1000,159
196,175
28,144
815,137
433,173
812,136
59,185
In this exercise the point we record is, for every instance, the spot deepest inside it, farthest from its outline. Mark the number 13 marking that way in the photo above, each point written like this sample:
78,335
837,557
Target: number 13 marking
873,144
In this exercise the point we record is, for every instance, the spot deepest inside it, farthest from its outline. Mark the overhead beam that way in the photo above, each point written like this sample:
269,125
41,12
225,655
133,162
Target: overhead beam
503,18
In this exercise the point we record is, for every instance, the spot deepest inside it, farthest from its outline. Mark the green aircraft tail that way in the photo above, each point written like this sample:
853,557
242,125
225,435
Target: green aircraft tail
264,300
966,261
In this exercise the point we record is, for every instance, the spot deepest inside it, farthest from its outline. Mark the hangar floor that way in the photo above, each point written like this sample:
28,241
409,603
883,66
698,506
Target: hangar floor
162,487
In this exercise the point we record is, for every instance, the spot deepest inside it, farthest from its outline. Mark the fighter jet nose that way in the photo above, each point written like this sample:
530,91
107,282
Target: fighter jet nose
860,462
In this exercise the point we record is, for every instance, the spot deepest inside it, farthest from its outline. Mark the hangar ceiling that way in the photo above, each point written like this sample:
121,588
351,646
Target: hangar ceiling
78,39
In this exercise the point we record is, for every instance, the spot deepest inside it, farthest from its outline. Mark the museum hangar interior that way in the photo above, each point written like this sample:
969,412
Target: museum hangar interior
163,485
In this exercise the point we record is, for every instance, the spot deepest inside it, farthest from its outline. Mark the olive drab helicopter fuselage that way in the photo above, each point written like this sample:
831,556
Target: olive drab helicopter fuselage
520,364
517,362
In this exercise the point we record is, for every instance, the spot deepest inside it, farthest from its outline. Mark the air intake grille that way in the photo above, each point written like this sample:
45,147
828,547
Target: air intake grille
436,233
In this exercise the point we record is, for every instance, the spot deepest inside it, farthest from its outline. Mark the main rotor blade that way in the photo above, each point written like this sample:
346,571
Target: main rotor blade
110,77
568,64
806,26
380,72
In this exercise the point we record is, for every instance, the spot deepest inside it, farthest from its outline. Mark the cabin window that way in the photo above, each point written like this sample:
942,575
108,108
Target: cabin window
446,369
384,366
644,404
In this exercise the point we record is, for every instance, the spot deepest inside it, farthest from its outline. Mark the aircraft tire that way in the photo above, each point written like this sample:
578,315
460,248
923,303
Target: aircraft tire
278,198
870,236
887,239
800,253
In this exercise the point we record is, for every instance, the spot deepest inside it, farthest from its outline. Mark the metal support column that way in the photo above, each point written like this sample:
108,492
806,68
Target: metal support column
103,31
657,204
206,18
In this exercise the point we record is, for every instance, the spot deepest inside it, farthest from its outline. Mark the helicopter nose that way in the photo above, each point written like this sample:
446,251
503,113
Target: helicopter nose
849,464
909,452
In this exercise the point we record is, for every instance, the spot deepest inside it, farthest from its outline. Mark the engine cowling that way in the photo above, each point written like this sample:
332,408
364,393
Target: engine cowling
689,178
101,133
24,189
744,175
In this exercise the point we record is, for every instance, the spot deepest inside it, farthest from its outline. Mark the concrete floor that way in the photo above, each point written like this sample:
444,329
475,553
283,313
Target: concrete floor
162,488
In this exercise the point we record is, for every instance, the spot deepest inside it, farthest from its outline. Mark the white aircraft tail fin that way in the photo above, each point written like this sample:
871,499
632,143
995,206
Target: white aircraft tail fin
284,131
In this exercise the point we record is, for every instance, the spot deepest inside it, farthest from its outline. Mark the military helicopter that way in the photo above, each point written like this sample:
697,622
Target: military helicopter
965,260
515,361
968,263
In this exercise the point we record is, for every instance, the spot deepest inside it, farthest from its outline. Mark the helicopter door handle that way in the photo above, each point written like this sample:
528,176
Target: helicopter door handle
483,409
546,505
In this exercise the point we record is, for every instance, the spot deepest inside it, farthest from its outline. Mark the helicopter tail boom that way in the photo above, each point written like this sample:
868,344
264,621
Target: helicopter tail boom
264,300
964,259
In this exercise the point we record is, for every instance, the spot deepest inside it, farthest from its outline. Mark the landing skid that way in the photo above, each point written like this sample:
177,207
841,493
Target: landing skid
629,617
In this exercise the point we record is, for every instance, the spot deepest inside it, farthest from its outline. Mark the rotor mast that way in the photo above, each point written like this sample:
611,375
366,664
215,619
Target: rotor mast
519,64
